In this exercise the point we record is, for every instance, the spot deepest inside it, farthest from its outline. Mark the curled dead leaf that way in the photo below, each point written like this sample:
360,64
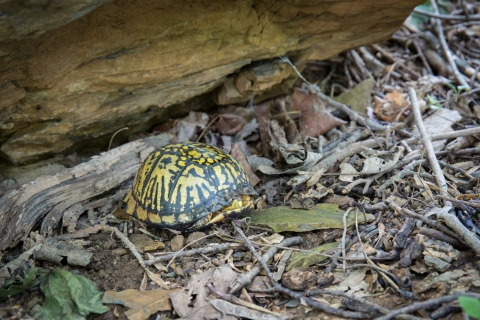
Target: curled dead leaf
315,120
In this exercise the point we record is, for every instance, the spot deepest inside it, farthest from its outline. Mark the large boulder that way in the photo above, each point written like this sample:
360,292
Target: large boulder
75,73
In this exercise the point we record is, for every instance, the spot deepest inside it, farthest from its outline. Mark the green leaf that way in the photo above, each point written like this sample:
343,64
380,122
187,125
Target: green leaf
470,306
17,285
463,88
433,103
322,216
69,296
451,86
306,259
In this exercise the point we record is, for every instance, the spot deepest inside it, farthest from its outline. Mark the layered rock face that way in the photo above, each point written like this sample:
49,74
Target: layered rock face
93,67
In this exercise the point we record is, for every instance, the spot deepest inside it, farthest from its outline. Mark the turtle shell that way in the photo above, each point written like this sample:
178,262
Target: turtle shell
181,183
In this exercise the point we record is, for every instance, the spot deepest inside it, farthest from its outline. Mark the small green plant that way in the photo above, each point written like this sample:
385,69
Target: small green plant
433,103
457,90
470,306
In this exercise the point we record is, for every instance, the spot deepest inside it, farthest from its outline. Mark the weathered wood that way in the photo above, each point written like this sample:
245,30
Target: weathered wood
49,196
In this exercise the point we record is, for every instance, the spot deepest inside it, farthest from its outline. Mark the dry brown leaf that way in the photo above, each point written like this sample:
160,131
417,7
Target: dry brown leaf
159,266
315,120
187,128
393,106
342,201
158,279
238,154
142,304
240,311
299,279
143,285
193,301
230,124
347,168
315,177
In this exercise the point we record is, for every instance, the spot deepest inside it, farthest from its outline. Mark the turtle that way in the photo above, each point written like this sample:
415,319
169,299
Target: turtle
188,186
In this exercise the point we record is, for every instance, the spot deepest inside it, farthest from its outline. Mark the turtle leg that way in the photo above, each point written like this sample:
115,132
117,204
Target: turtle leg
200,223
208,220
237,207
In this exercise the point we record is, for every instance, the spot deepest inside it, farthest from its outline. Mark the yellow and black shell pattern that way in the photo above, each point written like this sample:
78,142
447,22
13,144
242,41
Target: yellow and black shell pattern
187,186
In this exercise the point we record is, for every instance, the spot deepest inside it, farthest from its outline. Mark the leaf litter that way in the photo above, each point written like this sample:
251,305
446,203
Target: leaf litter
375,234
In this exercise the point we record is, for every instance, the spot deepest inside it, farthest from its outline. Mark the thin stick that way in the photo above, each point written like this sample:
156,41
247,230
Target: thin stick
113,136
207,126
475,17
188,253
344,235
432,233
196,240
127,243
449,135
446,49
427,143
422,57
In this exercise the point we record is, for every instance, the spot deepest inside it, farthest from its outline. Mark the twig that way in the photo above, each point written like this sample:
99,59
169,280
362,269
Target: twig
360,64
461,152
446,49
454,168
475,17
393,59
427,143
460,203
432,233
188,253
247,278
344,235
196,240
207,126
278,288
422,57
449,135
113,136
127,243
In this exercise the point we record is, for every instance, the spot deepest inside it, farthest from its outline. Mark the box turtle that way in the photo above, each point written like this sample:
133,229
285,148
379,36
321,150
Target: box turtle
187,186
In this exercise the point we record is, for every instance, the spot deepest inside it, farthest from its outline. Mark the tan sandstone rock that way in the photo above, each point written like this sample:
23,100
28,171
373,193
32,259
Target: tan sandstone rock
123,63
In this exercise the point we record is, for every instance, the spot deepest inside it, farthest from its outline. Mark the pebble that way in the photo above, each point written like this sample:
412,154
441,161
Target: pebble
103,274
119,252
177,243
